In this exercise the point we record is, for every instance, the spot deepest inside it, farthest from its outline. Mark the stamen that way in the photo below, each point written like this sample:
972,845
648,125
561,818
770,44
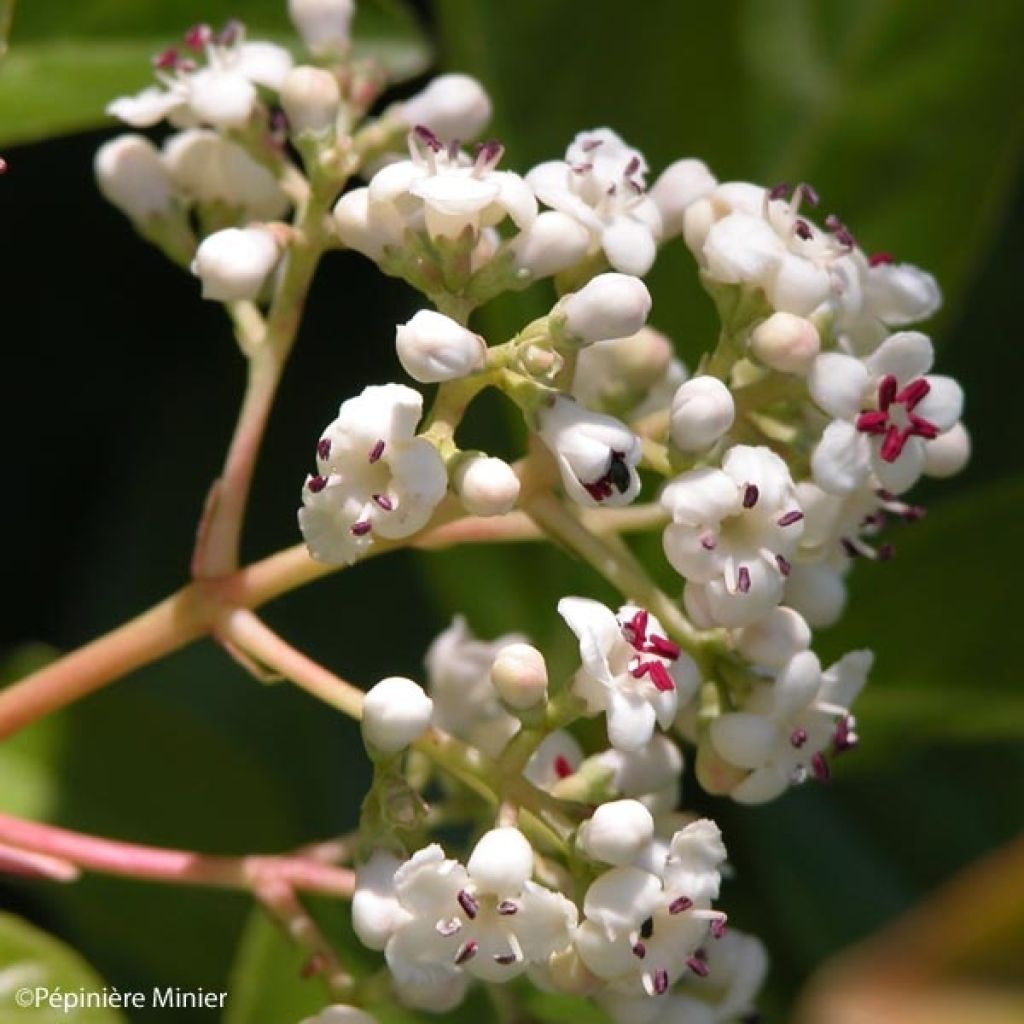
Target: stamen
505,958
376,451
708,542
632,167
809,194
506,908
167,59
894,443
639,950
913,392
636,629
791,517
647,928
317,483
820,768
563,769
743,580
466,952
845,738
660,981
198,36
698,966
384,502
872,422
833,223
798,738
750,495
658,674
779,191
468,903
783,563
323,448
231,33
880,259
662,646
590,145
802,229
888,387
680,904
362,528
719,927
428,138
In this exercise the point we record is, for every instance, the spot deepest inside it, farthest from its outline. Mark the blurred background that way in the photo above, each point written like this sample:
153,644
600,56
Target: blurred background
122,388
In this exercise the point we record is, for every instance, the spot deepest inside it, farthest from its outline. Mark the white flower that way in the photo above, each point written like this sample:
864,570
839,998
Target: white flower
207,168
222,93
773,639
131,175
608,306
617,832
323,24
557,757
459,681
234,263
367,227
442,189
642,932
651,774
341,1014
886,408
678,186
817,592
487,919
631,671
782,733
552,243
452,106
786,343
702,411
737,966
733,532
486,486
310,98
375,477
520,675
596,454
601,184
396,711
432,347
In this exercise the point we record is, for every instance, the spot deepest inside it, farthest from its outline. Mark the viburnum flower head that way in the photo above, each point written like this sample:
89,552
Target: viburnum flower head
597,455
641,932
781,734
436,919
733,533
222,93
601,185
374,476
887,408
630,670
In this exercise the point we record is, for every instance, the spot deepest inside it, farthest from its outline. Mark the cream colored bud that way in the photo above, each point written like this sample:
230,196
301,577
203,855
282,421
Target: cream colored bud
697,221
679,186
786,343
551,244
453,107
617,832
131,175
323,24
310,98
607,306
702,411
520,675
486,486
234,263
395,712
432,347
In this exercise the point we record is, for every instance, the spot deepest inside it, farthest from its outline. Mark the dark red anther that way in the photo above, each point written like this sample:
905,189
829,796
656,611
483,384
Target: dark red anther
894,443
680,904
468,902
779,191
428,138
384,502
507,908
166,60
466,952
376,451
362,528
798,738
599,489
784,565
791,517
880,259
698,966
913,393
833,223
198,36
809,194
563,769
660,981
820,768
323,448
316,483
803,230
743,580
639,950
661,645
505,958
888,389
873,422
636,628
708,542
718,928
750,495
647,928
230,34
656,672
843,740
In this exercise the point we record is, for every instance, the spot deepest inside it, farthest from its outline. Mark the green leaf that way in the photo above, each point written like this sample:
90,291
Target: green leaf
64,67
31,959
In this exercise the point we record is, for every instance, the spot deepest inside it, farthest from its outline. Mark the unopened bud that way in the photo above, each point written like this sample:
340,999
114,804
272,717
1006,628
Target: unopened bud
948,453
617,832
486,486
786,343
678,186
697,220
395,712
452,106
520,675
501,861
432,347
702,411
551,244
323,24
310,98
617,374
608,306
234,263
131,175
772,640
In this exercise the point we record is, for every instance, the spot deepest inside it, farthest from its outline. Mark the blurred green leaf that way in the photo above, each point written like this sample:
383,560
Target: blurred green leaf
30,958
66,64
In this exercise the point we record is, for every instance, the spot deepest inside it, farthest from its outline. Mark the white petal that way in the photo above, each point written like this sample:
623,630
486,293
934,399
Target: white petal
843,681
418,483
901,475
631,720
517,198
629,246
501,861
838,384
701,497
263,63
840,461
944,403
798,286
905,355
597,630
145,108
744,739
762,785
742,249
620,899
375,908
901,293
797,686
224,99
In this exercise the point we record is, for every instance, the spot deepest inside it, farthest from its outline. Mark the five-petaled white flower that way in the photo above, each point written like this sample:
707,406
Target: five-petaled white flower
601,185
374,476
733,532
781,734
886,408
631,671
223,92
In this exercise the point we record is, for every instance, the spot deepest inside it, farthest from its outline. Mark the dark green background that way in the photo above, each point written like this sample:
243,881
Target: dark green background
121,390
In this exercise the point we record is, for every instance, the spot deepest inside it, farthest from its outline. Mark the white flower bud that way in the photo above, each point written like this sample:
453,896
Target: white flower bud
520,675
432,347
617,833
772,641
621,370
234,263
697,221
552,243
323,24
607,306
375,911
395,712
340,1013
131,175
486,486
786,343
501,861
948,453
452,106
362,229
310,98
702,411
678,186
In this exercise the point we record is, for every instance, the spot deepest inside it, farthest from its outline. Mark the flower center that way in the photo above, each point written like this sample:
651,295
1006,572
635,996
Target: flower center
894,420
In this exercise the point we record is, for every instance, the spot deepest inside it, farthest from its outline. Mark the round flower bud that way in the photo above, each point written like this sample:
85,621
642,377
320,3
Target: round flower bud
395,712
131,175
678,186
452,106
786,343
323,24
948,453
486,486
432,347
552,243
607,306
501,861
375,912
617,832
702,411
310,98
234,263
520,676
772,641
